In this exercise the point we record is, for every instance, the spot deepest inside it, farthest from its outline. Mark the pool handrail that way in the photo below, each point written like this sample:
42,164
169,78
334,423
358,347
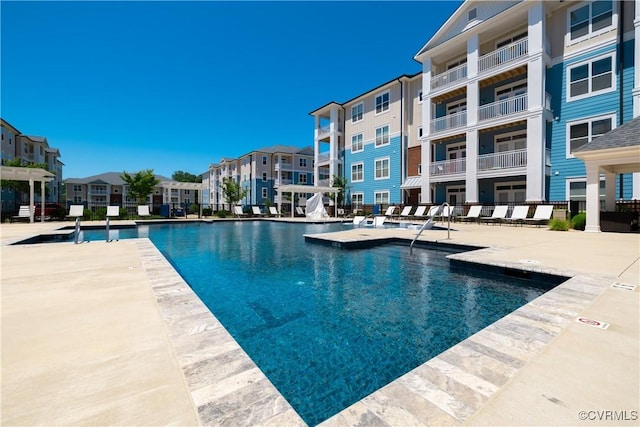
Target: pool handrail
430,221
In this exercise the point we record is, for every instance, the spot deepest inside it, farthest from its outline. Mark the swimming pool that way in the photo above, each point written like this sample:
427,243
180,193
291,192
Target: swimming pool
330,326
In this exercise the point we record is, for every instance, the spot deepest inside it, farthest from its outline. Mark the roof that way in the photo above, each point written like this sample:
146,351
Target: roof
112,178
16,173
626,135
412,182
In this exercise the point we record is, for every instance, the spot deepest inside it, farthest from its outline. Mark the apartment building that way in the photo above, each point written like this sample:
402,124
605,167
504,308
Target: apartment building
30,150
109,189
259,172
508,90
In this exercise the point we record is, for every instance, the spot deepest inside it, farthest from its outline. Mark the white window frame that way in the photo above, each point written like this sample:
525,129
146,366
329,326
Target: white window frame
513,138
419,96
590,33
589,64
264,192
303,162
510,87
420,132
357,204
302,178
512,190
354,165
569,181
505,41
380,161
264,160
458,190
264,177
384,107
359,115
383,195
382,144
589,120
361,143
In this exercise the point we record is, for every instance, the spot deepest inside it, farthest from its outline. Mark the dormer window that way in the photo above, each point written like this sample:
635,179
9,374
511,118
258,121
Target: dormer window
473,14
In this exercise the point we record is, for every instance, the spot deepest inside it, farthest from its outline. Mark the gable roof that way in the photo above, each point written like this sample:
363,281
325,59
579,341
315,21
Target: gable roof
626,135
112,178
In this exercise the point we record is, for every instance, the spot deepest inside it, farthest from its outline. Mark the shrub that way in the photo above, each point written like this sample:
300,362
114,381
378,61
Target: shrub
207,211
558,224
578,222
194,208
123,213
222,213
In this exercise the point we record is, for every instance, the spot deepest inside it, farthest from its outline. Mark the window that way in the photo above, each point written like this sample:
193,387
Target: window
356,112
420,96
264,193
302,178
303,163
590,19
356,143
357,172
382,168
591,78
510,40
264,160
420,132
381,197
582,132
577,189
264,177
357,200
382,136
473,13
510,192
382,103
419,168
77,188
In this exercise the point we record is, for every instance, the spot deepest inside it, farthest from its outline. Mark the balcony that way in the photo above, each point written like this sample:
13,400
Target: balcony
324,182
450,121
511,52
449,77
503,160
323,157
448,167
282,166
505,107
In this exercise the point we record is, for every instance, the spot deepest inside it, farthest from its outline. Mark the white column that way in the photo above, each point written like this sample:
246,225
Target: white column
334,120
471,177
610,191
636,186
536,135
473,94
425,149
316,151
636,68
593,198
472,57
42,203
425,158
32,207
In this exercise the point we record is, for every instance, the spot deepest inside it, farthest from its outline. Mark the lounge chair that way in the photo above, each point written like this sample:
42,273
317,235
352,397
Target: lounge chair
498,215
24,214
390,211
446,212
256,211
376,221
518,215
237,211
300,211
274,211
113,211
76,211
472,215
357,220
541,216
406,211
433,211
143,210
419,213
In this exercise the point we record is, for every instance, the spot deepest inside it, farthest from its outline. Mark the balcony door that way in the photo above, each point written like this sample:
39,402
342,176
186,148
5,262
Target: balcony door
510,98
510,192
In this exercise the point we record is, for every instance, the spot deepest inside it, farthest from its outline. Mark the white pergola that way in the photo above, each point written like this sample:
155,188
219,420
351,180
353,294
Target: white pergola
169,185
15,173
293,188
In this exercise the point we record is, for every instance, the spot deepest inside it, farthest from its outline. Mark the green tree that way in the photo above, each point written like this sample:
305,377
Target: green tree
23,186
182,176
341,183
232,191
140,184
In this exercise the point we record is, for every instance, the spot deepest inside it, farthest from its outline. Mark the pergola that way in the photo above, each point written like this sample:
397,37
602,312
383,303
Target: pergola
293,188
615,152
15,173
169,185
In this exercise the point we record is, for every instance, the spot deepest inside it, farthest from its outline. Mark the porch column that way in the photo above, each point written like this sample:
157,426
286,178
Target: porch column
471,177
425,142
42,203
32,206
473,98
316,153
593,198
636,70
535,159
425,182
610,191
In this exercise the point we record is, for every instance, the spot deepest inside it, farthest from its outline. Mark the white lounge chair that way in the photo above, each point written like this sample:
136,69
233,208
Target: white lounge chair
472,215
446,212
237,211
300,210
379,220
113,211
357,220
256,211
24,214
541,216
390,211
518,215
419,213
498,215
433,211
406,211
273,211
143,210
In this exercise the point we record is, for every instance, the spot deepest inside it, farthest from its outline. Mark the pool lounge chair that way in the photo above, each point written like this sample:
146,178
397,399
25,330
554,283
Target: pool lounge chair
237,211
357,220
143,210
390,211
273,211
472,215
541,216
24,214
446,212
300,210
498,215
376,221
255,210
518,215
419,213
433,211
406,212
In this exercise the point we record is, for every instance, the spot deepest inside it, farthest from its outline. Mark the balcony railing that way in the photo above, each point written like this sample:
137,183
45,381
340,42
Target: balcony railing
450,121
323,157
503,160
282,166
324,182
503,55
448,167
506,107
449,76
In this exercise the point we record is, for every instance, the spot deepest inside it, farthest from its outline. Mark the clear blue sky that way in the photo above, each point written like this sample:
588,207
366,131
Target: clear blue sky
125,86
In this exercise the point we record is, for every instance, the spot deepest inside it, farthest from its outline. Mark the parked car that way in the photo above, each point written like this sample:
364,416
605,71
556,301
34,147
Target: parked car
51,211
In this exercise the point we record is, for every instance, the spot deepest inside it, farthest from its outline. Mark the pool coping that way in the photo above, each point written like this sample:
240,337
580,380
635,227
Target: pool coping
423,396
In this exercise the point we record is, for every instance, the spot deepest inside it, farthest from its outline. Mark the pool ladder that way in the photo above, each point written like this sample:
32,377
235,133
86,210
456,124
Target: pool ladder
430,221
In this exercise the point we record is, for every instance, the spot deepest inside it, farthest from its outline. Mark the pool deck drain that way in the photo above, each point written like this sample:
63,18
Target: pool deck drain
535,366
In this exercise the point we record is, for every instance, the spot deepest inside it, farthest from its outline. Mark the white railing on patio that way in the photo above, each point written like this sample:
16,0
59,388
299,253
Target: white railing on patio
503,160
324,129
448,167
506,107
450,121
323,157
324,182
449,76
503,55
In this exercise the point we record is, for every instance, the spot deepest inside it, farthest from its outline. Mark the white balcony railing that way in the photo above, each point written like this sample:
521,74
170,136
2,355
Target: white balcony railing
503,55
503,160
323,157
450,121
448,167
506,107
449,76
324,182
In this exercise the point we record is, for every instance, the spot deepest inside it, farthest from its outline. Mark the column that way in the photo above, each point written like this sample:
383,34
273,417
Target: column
32,207
316,152
636,68
471,177
536,136
425,159
610,191
425,149
473,95
593,198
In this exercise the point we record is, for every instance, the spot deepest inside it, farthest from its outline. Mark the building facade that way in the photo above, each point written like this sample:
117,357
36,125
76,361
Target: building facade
508,90
30,150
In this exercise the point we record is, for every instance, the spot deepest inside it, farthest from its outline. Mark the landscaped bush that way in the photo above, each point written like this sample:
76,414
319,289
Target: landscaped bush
87,214
558,224
222,213
578,222
123,213
207,211
101,213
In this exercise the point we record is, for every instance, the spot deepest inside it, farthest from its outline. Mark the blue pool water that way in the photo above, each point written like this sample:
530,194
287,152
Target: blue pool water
330,326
